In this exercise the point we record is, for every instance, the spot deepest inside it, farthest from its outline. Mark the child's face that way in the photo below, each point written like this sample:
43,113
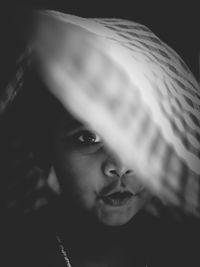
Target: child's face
93,177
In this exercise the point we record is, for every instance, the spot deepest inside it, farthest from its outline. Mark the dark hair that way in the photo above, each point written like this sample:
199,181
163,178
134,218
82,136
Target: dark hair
26,137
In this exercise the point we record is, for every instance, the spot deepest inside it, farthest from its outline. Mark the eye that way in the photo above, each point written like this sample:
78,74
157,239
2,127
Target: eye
87,138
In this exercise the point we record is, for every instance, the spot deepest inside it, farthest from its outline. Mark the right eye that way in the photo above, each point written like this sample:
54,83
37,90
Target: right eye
86,137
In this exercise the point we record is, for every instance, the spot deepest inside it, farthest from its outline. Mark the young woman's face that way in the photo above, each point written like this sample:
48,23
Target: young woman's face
93,177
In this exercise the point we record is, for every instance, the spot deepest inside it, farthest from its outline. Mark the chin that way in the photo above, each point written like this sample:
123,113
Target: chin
118,215
116,219
115,222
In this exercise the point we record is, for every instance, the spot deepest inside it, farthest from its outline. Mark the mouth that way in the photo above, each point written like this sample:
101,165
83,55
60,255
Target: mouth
117,198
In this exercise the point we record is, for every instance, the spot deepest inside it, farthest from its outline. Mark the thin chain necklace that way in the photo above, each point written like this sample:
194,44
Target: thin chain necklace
64,253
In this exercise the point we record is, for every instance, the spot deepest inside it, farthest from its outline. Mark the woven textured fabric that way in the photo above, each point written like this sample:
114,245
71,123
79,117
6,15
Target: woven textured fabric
134,90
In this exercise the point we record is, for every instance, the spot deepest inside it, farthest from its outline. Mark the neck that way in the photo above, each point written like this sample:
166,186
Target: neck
85,239
84,234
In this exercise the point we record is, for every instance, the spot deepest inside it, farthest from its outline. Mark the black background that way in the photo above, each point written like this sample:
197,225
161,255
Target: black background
175,23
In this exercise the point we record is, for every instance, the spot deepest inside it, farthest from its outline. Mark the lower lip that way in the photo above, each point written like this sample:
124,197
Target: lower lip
116,202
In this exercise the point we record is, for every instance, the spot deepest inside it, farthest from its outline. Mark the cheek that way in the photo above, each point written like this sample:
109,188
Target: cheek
80,175
142,201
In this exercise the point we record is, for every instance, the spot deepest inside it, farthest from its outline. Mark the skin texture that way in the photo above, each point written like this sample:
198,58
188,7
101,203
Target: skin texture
88,171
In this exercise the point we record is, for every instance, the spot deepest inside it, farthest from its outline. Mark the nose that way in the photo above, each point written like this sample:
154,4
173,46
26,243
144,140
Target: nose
114,168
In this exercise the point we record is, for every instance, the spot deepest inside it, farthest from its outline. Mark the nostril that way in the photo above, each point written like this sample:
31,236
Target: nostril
113,172
129,172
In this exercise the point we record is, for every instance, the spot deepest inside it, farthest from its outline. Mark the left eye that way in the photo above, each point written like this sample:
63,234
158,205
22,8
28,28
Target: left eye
88,138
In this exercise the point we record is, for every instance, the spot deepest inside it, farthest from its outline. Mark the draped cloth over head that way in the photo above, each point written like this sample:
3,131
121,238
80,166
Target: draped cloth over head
134,90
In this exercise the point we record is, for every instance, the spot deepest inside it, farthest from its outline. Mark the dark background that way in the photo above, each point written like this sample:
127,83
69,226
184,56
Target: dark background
175,23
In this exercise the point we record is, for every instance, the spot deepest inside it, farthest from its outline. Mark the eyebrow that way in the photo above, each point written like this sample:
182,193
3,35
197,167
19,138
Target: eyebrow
69,123
76,129
80,128
72,126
